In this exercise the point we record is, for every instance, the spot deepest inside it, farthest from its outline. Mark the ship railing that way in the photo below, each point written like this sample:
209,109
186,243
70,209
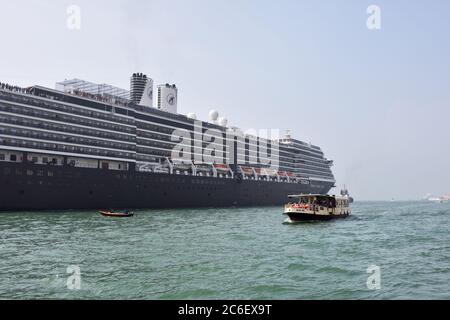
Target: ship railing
59,146
52,107
39,125
103,97
8,87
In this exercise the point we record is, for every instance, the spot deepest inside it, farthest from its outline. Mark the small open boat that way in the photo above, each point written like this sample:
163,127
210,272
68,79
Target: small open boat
112,214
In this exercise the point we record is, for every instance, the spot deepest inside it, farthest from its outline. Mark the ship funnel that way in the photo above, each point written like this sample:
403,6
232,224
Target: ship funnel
141,90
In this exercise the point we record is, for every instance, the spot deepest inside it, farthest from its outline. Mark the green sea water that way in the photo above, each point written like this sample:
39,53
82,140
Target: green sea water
236,253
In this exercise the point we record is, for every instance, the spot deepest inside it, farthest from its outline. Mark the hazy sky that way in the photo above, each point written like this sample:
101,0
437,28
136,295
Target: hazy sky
376,101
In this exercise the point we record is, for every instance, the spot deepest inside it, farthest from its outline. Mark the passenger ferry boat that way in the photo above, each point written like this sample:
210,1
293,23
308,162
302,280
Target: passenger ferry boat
307,207
88,146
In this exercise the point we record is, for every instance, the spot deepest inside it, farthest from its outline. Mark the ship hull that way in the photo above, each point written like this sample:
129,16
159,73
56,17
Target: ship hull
300,217
26,186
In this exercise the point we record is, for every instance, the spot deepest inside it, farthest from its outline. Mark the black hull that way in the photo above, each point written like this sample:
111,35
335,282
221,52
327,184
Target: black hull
300,217
37,187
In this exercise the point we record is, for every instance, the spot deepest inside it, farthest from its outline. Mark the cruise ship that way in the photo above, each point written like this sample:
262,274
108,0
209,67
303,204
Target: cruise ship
90,146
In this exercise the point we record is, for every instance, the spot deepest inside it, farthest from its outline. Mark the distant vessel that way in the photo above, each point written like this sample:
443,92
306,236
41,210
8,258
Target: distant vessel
317,207
442,199
345,193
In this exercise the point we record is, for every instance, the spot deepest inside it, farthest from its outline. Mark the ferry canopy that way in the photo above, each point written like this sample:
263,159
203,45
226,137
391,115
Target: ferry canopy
318,196
310,195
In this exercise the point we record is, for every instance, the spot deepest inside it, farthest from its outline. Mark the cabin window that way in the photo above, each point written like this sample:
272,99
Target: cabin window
34,159
44,160
2,157
13,157
105,165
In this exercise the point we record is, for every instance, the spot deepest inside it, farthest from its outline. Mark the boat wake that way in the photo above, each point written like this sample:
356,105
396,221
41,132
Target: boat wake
288,221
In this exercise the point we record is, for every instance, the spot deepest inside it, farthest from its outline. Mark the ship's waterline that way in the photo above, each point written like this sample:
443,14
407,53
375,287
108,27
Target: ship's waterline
236,253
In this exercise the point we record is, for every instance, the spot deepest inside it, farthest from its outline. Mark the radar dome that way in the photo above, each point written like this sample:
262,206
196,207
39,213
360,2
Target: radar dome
192,115
213,115
223,121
